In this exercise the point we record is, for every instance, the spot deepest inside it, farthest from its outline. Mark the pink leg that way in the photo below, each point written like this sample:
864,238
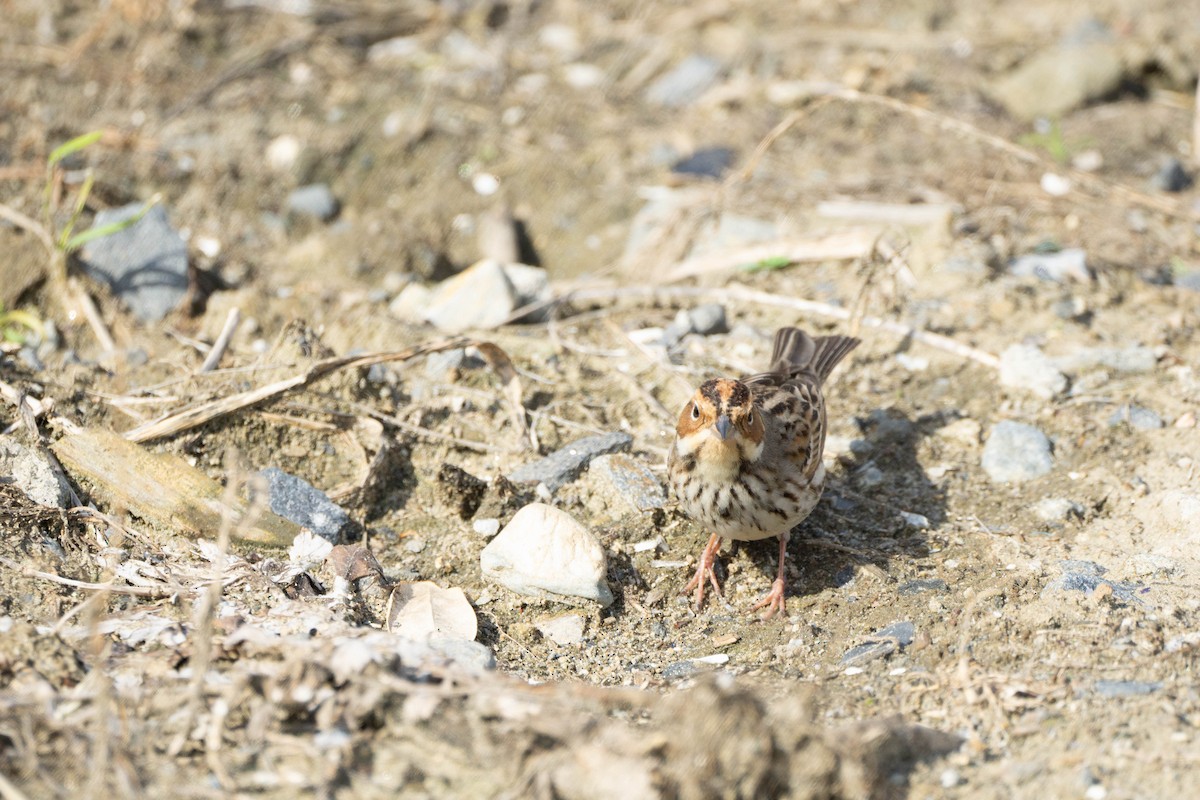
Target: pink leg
776,598
704,572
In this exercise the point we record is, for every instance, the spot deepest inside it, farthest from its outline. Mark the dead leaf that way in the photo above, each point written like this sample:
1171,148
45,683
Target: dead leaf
502,365
423,610
353,562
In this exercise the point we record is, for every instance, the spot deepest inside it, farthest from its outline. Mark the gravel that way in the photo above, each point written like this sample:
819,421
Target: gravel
315,200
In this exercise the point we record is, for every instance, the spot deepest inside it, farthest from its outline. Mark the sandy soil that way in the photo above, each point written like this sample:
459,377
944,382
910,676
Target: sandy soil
1012,686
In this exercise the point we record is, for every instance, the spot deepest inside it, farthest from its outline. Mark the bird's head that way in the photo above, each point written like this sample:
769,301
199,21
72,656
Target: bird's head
721,423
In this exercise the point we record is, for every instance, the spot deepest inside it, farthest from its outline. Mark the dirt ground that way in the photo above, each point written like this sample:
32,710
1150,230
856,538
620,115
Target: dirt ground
1052,654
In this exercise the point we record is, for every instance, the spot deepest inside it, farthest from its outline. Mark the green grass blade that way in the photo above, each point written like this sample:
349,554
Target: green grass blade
79,240
73,146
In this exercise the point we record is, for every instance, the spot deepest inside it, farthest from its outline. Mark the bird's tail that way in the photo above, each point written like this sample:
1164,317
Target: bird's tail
795,351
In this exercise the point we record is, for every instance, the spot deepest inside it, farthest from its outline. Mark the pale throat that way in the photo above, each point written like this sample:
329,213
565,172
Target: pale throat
718,460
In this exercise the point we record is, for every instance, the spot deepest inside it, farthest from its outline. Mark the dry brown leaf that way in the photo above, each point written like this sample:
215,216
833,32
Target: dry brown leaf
423,610
502,365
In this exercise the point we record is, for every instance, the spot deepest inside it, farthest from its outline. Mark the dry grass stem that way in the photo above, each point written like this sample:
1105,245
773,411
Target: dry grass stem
222,343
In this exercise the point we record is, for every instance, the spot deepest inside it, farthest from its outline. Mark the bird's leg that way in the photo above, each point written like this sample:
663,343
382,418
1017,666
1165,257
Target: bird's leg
775,599
704,572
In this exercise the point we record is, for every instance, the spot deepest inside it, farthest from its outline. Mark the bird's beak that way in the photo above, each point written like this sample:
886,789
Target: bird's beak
723,426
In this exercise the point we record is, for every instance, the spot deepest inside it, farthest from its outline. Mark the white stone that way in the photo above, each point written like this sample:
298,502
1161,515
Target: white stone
282,152
544,551
32,473
564,630
480,297
1056,509
1027,368
410,304
486,528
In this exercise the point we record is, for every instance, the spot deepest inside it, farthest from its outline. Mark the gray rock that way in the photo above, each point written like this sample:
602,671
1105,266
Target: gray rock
881,643
1122,359
439,366
1056,509
315,200
1171,177
296,499
32,473
567,463
631,480
1127,688
921,585
708,162
1027,368
1085,576
479,297
1064,266
684,84
1136,417
145,264
1058,81
708,319
1016,452
543,552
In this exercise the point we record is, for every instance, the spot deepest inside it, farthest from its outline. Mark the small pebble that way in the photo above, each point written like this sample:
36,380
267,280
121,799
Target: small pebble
1056,509
1136,417
296,499
486,528
1171,177
1061,267
919,521
1016,452
950,778
315,200
684,84
1027,368
920,585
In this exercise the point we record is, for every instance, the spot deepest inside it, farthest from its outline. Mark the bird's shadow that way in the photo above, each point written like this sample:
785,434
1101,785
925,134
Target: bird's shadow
878,505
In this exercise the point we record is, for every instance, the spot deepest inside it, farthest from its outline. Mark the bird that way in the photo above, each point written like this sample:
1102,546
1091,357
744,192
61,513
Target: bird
746,461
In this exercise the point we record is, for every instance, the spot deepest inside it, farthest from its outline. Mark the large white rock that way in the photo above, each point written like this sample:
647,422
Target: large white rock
479,297
544,551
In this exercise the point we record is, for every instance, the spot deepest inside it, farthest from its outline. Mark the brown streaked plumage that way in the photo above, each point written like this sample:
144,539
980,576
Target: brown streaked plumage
746,461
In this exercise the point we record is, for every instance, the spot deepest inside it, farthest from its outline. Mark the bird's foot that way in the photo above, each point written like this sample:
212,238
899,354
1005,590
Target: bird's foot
704,571
774,601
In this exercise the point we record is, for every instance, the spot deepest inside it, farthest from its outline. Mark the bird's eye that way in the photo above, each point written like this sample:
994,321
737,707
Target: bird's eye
695,411
750,418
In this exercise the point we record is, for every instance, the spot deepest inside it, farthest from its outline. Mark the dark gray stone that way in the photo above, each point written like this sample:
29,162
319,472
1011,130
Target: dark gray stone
920,585
1136,417
1127,688
315,200
1085,576
567,463
1016,452
709,162
881,643
1171,177
145,265
299,501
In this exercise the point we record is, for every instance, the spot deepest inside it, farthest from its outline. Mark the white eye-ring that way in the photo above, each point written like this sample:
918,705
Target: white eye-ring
695,411
750,418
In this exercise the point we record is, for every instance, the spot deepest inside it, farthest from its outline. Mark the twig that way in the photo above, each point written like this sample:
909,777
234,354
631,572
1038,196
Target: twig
28,224
137,591
99,329
222,343
747,295
206,412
